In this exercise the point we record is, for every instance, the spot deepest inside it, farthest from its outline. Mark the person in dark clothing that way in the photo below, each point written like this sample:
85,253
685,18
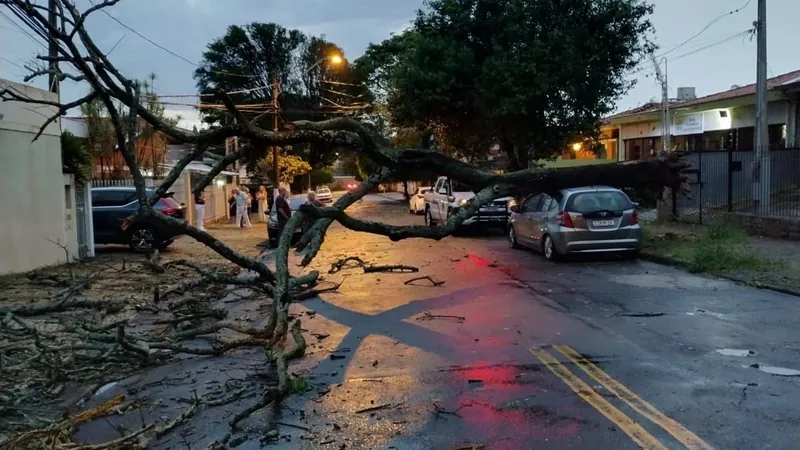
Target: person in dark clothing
283,209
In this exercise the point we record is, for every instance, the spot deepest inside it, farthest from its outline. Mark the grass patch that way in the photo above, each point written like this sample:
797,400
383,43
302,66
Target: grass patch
717,249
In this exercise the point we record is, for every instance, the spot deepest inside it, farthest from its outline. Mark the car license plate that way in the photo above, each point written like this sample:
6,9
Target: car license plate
602,223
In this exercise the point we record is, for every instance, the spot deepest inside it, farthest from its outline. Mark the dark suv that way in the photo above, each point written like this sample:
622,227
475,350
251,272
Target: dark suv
112,205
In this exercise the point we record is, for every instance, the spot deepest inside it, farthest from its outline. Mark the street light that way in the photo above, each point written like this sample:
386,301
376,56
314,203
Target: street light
334,59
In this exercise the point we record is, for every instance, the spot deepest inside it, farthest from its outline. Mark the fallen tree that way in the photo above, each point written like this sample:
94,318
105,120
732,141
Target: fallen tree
281,336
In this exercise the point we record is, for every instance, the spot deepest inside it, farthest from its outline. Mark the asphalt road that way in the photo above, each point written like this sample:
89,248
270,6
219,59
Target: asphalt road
513,352
510,352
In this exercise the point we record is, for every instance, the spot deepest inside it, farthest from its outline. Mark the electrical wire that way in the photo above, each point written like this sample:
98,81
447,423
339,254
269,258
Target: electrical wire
703,30
20,29
642,66
221,72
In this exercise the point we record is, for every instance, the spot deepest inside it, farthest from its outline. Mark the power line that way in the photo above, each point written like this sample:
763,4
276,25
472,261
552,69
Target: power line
221,72
640,67
703,30
11,62
20,29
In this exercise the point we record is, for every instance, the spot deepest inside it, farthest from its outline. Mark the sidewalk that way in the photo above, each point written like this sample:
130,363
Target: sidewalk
725,251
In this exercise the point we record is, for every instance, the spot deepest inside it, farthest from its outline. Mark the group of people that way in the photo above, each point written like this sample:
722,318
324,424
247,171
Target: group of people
240,202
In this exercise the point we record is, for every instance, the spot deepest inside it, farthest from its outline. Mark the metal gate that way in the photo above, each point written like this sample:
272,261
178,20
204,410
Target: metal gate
83,213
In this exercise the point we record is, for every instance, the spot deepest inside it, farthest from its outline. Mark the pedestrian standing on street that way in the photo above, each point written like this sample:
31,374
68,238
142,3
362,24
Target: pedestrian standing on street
232,205
242,213
282,208
261,196
312,200
200,210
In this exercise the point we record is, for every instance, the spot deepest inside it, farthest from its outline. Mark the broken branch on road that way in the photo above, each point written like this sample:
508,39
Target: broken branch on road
354,261
434,282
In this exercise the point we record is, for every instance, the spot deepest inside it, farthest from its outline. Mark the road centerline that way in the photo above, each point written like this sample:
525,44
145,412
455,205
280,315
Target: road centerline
635,431
686,437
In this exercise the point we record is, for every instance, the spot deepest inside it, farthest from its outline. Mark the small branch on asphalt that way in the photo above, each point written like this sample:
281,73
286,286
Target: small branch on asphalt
441,411
396,268
429,316
347,263
434,282
374,408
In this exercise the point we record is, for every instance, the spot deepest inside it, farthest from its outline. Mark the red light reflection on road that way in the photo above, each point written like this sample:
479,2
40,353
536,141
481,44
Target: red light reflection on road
489,409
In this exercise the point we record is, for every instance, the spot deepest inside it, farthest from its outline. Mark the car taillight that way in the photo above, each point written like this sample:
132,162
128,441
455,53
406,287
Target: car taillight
565,220
635,218
169,211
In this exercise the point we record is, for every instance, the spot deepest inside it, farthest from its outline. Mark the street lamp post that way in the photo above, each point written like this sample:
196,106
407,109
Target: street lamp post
335,59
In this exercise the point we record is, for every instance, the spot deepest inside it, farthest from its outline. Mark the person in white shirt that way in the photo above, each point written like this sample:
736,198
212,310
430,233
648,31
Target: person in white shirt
242,211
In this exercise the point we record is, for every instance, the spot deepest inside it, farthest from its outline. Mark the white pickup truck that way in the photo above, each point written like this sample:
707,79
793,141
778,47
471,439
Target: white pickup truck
447,195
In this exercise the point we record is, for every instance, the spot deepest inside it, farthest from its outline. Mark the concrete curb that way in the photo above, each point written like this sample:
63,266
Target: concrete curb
664,261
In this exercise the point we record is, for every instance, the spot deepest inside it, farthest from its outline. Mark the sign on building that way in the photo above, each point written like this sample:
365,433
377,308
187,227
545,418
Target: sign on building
688,124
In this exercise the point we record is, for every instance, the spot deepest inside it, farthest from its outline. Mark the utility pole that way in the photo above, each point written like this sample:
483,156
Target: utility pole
52,50
761,166
275,153
666,129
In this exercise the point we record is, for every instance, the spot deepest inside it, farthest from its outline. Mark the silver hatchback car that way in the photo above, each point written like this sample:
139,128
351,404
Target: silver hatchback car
576,220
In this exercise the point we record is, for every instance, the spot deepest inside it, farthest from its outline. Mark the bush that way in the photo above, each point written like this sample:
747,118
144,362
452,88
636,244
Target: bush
321,176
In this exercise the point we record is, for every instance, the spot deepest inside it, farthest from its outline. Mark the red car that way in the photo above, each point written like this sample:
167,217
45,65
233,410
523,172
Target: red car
352,186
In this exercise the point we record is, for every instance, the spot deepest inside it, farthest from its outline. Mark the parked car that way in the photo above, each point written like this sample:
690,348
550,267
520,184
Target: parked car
576,220
295,201
111,206
448,195
324,195
416,204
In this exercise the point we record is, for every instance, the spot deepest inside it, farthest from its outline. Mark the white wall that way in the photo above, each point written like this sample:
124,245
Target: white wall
33,186
739,117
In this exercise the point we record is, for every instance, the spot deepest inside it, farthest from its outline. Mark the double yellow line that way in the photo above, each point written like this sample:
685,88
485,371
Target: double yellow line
635,431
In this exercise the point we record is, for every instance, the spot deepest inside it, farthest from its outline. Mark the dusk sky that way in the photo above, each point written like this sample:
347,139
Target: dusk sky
720,56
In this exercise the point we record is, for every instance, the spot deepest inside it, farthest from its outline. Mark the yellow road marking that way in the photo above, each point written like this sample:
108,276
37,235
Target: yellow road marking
638,434
678,431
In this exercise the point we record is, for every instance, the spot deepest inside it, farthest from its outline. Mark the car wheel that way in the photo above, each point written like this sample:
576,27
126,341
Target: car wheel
143,240
429,218
549,249
512,237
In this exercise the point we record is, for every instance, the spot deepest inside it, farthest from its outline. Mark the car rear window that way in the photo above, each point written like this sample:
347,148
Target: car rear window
167,203
586,202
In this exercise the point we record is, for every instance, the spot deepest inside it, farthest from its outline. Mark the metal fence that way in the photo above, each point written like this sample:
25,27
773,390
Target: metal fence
722,182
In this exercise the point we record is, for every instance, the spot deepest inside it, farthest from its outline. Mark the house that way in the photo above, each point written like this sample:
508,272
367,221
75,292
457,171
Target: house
151,149
720,121
38,201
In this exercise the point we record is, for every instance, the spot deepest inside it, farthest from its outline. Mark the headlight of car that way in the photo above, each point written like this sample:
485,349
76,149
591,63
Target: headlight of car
463,202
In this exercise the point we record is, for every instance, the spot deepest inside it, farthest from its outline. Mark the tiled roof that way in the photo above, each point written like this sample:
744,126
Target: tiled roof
750,89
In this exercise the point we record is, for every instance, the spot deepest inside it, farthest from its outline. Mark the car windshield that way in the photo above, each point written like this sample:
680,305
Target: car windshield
461,187
323,191
586,202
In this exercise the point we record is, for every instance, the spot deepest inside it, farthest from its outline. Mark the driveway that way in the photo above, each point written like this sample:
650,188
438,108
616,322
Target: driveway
512,352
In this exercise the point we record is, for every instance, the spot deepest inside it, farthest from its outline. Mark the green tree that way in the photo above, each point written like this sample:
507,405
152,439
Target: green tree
529,75
75,157
101,139
246,59
290,166
321,176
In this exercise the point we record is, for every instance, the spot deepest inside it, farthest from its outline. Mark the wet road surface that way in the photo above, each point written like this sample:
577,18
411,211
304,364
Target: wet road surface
512,352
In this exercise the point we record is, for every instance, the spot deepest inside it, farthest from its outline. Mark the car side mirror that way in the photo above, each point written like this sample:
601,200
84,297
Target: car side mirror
635,205
515,209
